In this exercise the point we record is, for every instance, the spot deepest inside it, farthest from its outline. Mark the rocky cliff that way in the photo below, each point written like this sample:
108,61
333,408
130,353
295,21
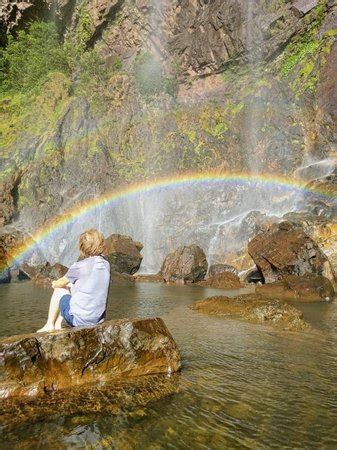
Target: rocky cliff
164,87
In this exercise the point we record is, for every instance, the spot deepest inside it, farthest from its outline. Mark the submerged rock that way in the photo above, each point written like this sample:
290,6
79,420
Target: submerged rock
111,398
307,288
33,364
42,273
123,253
286,250
186,264
223,280
254,308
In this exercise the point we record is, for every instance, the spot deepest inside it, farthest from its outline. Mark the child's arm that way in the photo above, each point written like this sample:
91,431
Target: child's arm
60,283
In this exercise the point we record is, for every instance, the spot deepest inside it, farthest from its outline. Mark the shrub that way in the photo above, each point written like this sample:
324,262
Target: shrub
30,56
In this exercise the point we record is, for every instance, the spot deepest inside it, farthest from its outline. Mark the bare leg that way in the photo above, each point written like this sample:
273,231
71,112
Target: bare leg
54,310
58,322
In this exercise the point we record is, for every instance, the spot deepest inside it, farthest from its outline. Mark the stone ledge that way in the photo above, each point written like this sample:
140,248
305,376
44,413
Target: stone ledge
33,364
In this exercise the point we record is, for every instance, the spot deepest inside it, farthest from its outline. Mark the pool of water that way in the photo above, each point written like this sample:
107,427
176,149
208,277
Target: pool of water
241,385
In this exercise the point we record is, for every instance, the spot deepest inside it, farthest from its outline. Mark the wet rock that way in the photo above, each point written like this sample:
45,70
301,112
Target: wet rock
123,279
114,350
186,264
9,238
302,7
306,288
149,278
123,253
286,250
223,280
215,269
42,273
253,276
326,109
321,230
111,398
254,308
5,274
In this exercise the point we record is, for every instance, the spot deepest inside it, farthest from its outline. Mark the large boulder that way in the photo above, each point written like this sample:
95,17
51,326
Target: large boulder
36,363
42,273
223,280
253,308
307,288
286,250
186,264
123,253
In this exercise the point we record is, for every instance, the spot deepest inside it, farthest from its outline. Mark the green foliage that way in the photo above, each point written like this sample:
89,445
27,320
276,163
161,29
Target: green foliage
30,56
304,56
149,76
297,52
76,43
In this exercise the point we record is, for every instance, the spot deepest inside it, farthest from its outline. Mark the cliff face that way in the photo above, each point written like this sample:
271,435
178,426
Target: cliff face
189,85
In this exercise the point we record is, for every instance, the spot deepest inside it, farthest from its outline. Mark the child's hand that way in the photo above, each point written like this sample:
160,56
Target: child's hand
53,284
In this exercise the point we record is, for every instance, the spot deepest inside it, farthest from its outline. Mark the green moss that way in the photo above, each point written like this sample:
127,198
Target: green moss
303,58
297,53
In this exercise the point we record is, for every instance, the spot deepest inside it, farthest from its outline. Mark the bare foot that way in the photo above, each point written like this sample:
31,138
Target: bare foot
58,326
46,328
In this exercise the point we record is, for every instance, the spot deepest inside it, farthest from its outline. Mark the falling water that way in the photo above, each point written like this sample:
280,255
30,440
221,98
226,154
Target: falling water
220,217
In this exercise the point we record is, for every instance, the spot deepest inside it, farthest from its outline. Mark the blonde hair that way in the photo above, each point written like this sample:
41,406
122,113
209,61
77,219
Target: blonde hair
91,243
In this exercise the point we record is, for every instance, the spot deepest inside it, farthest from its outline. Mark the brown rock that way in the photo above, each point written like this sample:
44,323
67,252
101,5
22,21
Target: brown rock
151,278
123,279
107,398
254,308
123,253
113,350
43,273
287,250
223,280
8,198
307,288
326,109
8,240
186,264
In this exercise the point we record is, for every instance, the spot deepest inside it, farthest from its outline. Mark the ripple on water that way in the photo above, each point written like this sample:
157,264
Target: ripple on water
241,386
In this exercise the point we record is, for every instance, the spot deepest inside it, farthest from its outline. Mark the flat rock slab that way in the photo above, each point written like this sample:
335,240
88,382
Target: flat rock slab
33,364
254,308
308,288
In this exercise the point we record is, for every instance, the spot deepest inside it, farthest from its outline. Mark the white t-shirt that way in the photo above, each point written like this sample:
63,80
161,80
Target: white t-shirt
90,279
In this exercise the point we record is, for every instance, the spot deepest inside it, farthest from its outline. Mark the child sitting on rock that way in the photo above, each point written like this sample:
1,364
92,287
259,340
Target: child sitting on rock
88,280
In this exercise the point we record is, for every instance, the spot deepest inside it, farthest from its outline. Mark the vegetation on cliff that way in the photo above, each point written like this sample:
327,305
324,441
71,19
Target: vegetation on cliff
133,125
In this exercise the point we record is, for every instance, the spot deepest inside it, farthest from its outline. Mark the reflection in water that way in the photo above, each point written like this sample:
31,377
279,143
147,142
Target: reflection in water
242,385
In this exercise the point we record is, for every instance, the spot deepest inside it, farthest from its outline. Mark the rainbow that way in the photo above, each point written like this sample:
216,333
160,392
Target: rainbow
19,252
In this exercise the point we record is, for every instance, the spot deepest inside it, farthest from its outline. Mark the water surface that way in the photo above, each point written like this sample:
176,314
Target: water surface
241,385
